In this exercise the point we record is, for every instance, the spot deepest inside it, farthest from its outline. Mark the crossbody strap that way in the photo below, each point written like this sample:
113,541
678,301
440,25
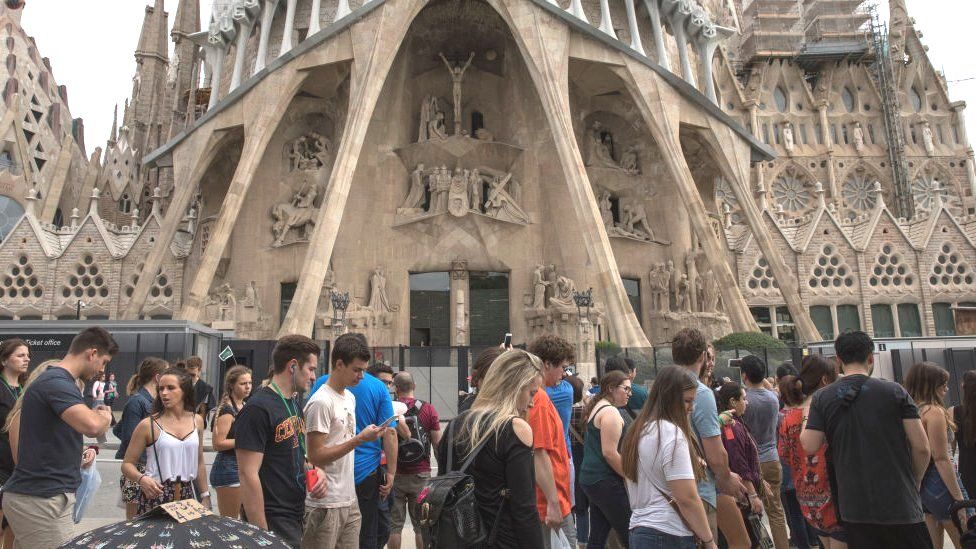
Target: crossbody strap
152,436
450,450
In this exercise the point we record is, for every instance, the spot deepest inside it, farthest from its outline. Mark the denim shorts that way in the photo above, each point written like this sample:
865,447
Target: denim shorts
649,538
223,473
935,496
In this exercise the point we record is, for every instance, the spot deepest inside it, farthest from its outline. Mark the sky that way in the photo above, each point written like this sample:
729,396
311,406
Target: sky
91,47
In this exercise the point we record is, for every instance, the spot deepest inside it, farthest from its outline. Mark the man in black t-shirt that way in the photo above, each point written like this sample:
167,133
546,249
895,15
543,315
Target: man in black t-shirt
269,436
877,451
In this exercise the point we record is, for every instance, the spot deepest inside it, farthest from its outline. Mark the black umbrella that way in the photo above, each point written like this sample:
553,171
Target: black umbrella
158,529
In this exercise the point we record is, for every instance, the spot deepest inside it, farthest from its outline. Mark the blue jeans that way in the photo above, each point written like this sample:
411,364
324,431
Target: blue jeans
800,531
609,509
649,538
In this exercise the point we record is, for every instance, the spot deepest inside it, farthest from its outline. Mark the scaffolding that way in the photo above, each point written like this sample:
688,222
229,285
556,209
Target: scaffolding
891,112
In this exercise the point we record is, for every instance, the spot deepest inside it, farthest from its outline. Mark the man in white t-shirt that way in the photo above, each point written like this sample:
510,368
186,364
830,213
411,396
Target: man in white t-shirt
333,521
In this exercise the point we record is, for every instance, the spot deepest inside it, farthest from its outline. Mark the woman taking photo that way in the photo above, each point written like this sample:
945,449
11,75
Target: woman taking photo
927,383
172,438
504,463
661,469
223,473
142,392
743,461
810,474
601,474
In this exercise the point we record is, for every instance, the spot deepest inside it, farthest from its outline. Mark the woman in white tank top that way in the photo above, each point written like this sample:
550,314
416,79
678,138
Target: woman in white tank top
172,437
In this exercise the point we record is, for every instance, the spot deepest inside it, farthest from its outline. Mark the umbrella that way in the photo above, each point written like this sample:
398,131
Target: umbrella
169,529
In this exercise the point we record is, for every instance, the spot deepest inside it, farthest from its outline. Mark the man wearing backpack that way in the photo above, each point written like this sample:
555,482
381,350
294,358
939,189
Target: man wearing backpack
413,459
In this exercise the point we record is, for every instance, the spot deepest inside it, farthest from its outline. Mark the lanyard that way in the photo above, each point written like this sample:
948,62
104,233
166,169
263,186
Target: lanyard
15,393
292,410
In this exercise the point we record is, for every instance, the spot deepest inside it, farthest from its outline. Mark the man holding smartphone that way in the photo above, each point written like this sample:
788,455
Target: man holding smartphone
330,418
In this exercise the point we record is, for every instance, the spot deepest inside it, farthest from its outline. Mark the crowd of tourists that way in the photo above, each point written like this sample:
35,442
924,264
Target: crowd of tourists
824,455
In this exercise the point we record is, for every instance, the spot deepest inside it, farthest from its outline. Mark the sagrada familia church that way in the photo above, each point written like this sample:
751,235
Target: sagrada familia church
458,169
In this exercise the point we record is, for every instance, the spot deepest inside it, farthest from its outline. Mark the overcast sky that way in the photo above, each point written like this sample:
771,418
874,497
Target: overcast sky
91,47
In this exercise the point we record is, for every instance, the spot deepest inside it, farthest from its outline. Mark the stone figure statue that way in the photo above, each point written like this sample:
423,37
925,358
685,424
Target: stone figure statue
550,276
501,205
629,161
436,128
460,319
606,214
539,285
660,288
600,148
710,291
788,142
222,303
457,198
457,75
297,214
250,295
672,280
440,186
633,219
563,293
414,202
476,187
378,300
858,137
683,294
308,152
431,120
927,139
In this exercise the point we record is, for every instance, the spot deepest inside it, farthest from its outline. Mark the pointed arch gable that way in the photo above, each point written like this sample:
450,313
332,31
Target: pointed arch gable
884,227
827,223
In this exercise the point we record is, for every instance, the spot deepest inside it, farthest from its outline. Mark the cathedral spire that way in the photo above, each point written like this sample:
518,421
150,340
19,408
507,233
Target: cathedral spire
187,20
152,39
113,137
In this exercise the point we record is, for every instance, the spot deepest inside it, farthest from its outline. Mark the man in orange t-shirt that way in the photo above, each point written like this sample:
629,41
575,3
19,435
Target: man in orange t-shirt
550,455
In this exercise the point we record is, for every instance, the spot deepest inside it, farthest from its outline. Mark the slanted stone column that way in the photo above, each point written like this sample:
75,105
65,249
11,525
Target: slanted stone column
375,43
314,25
266,104
245,18
289,30
635,39
657,30
267,17
544,44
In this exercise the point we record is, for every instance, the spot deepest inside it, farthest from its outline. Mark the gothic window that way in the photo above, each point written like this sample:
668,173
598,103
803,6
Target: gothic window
848,97
890,269
125,204
858,191
761,277
926,186
725,197
162,287
791,190
779,96
830,270
950,268
10,212
86,281
916,99
882,320
20,280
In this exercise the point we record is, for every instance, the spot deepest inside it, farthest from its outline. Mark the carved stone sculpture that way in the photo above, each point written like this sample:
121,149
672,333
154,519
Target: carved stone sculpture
440,187
788,142
858,137
250,296
298,214
660,279
539,285
378,300
457,200
563,295
633,219
457,75
927,139
629,161
476,188
710,291
431,120
309,152
460,319
222,303
683,294
501,205
600,148
413,204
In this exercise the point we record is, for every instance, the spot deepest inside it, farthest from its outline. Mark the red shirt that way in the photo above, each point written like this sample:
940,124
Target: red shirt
810,474
547,434
430,421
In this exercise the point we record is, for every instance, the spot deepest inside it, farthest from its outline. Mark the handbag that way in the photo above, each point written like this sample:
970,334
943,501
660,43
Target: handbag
759,533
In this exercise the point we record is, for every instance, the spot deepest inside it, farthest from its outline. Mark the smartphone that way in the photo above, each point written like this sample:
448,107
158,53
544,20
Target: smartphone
508,341
387,422
311,479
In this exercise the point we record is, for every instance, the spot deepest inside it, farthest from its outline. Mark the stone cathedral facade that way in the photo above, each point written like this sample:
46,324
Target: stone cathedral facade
464,168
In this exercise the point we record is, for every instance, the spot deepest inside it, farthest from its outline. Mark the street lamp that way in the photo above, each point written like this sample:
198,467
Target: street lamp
78,308
340,302
583,300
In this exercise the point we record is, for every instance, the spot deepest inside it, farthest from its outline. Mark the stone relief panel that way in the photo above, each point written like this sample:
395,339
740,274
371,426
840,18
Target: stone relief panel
308,160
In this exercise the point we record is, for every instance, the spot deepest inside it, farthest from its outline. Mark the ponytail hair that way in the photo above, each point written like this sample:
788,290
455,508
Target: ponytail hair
148,370
608,383
791,390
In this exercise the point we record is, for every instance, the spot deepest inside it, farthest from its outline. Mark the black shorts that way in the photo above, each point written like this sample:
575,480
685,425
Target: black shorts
887,536
286,527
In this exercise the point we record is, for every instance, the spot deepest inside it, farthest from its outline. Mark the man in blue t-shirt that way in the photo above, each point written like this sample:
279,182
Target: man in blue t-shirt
373,484
40,495
688,351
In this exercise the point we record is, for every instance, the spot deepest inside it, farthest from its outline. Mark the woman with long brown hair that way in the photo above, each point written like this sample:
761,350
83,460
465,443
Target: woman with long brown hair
927,383
811,476
661,464
14,360
223,472
141,389
172,438
601,473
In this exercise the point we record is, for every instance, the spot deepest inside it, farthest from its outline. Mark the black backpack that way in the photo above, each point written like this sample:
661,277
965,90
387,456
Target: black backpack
449,515
417,447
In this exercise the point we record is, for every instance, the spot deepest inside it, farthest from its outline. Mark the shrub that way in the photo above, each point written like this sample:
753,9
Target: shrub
750,341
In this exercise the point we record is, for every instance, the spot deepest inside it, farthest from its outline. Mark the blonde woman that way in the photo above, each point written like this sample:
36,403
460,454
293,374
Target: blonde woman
496,428
223,473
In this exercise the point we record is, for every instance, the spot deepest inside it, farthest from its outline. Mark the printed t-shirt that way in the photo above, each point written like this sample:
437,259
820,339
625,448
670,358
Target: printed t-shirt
430,421
266,425
547,435
373,407
49,454
334,415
